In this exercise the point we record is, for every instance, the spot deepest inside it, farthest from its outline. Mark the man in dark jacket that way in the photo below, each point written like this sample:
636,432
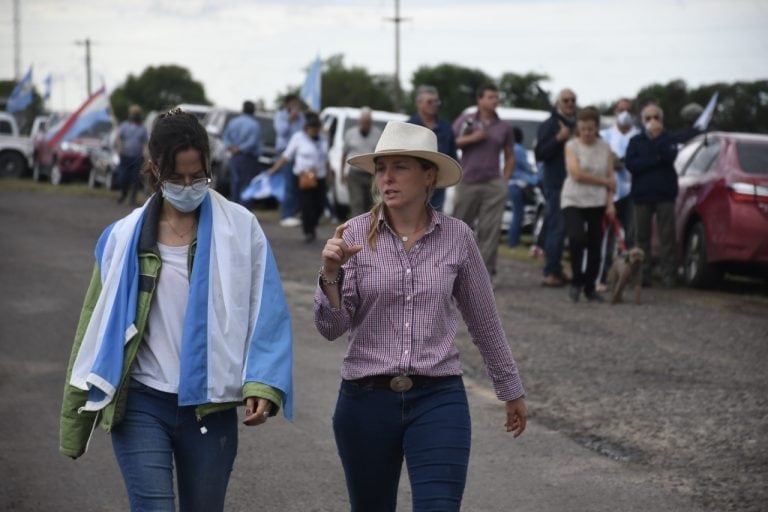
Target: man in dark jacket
650,158
550,151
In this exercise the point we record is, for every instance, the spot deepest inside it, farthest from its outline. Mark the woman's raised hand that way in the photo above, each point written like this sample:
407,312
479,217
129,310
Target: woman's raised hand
336,252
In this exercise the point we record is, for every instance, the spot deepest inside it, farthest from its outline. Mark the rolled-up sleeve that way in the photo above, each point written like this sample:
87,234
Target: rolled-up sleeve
333,322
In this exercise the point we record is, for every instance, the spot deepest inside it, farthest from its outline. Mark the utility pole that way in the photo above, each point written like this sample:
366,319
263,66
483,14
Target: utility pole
16,40
87,44
398,101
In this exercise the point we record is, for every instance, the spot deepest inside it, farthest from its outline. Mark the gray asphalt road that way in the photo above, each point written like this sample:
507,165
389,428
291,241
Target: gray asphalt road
592,389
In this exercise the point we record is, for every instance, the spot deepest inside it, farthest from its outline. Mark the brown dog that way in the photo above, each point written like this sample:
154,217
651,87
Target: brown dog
626,270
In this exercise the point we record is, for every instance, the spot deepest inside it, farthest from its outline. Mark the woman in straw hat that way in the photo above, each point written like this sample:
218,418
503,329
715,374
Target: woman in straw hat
393,278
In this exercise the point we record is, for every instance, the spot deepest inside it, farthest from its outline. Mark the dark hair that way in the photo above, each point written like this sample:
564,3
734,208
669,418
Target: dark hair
589,114
172,132
518,134
485,87
289,98
312,120
248,107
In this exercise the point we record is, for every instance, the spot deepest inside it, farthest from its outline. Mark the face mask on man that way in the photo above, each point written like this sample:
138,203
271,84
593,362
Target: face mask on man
624,118
184,199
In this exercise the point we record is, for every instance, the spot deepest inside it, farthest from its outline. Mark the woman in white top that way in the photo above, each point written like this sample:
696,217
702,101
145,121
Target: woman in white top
586,198
308,150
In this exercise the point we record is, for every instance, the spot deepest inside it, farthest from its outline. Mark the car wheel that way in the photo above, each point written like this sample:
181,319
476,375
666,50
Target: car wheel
698,272
12,165
57,178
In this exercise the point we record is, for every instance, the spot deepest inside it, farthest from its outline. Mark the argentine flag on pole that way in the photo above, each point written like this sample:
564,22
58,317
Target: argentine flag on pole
706,116
89,114
310,91
21,96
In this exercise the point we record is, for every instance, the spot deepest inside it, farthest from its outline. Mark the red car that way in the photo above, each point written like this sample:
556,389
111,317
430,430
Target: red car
722,207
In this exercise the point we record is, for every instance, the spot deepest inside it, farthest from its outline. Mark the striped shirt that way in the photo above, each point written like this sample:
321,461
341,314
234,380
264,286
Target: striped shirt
400,308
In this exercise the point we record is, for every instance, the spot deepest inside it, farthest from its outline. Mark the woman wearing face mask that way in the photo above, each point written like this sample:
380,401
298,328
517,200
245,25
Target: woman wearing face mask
308,150
185,319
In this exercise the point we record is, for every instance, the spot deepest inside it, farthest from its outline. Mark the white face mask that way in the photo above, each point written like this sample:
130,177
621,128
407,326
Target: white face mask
624,118
184,199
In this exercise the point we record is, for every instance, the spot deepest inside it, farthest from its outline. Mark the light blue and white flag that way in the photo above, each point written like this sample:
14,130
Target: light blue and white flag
47,81
310,91
264,186
21,96
706,116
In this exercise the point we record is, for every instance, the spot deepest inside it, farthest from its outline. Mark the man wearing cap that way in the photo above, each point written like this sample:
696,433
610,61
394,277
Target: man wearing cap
482,193
394,279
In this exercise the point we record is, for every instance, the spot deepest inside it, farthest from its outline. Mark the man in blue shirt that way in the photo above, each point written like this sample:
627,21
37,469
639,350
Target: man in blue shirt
130,143
427,104
242,138
522,177
288,120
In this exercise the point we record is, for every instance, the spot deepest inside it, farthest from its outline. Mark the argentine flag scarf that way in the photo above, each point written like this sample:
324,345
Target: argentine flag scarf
237,327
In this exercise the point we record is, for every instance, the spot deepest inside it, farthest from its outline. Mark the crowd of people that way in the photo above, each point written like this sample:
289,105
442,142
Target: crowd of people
185,317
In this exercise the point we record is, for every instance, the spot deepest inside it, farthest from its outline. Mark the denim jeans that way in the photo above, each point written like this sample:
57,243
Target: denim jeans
243,168
154,433
129,168
555,232
290,204
518,211
428,426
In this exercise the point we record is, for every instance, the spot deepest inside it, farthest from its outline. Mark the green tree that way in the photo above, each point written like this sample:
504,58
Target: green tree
157,88
26,116
524,91
456,84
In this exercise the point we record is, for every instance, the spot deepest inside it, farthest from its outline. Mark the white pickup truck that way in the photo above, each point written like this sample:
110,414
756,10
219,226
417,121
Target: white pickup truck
15,149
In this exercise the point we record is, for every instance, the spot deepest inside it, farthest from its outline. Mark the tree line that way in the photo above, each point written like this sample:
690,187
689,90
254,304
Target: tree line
742,106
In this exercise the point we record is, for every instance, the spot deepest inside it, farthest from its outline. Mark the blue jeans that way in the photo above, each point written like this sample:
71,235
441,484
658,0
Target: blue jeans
428,426
290,205
154,433
555,232
518,211
243,167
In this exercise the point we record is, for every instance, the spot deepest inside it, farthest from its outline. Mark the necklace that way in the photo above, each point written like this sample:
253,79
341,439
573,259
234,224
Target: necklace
405,238
181,235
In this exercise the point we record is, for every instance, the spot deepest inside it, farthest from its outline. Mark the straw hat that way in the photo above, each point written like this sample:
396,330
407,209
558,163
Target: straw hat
408,139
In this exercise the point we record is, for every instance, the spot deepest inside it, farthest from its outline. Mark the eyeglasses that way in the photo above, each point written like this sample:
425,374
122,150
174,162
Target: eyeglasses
651,117
568,100
198,184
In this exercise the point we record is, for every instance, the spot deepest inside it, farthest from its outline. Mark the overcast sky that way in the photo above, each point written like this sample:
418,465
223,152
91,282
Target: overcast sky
249,49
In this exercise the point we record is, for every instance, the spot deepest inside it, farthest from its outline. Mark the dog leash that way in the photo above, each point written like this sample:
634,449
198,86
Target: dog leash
614,224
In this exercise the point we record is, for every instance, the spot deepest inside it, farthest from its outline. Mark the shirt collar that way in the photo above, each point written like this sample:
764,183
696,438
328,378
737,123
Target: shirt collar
433,223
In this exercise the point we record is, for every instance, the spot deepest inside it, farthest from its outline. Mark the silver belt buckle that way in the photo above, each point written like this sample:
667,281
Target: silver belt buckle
400,383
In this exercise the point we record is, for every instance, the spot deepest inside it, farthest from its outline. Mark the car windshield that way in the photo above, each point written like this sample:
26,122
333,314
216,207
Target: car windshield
529,129
753,157
267,129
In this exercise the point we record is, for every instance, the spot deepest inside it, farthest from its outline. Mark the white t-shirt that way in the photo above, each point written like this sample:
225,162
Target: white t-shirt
307,153
158,362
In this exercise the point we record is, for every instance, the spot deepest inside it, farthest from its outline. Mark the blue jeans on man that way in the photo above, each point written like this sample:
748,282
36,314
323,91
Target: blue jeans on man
518,212
243,168
290,205
555,233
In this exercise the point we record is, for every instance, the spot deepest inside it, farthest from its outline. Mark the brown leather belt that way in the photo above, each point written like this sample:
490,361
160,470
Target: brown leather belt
397,383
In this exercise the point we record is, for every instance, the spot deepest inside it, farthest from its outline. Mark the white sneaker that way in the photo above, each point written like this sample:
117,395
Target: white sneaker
290,222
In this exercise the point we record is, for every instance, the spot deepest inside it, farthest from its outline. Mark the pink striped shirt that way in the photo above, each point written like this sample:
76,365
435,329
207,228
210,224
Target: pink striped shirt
400,308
